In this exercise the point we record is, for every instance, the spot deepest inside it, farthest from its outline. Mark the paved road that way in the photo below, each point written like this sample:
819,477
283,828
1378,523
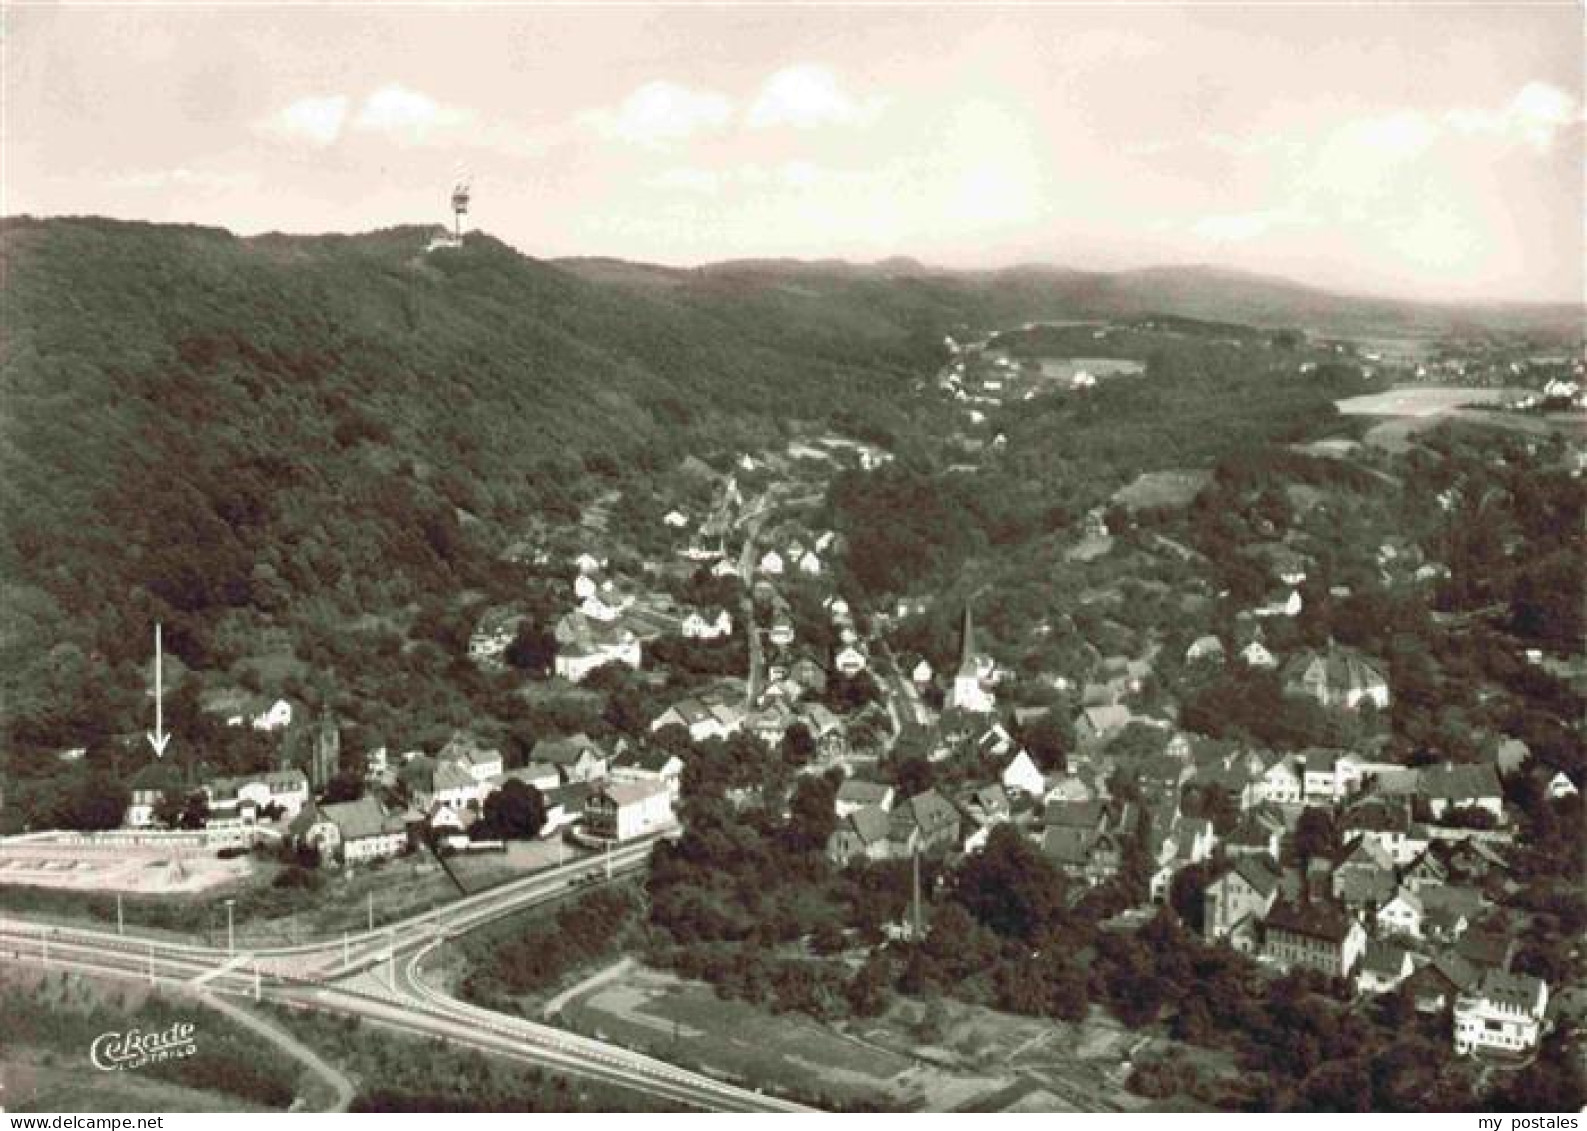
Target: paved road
333,957
379,979
746,573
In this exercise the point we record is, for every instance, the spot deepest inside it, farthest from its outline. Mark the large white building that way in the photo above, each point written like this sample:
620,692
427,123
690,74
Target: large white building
622,811
584,644
288,789
1502,1012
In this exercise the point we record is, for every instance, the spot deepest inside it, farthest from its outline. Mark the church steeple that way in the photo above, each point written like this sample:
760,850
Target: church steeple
968,692
967,650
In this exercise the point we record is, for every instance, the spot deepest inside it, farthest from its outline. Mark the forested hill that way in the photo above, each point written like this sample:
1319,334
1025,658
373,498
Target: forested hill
283,437
231,434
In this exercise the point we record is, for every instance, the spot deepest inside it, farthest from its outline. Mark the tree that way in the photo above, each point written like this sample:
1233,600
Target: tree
532,649
195,810
93,802
345,786
1553,1082
169,808
798,746
913,776
1048,740
1316,837
1010,887
516,811
812,814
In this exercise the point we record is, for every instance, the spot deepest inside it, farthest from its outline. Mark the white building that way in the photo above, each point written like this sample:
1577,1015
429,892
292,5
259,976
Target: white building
274,717
1502,1012
1401,915
1282,783
1256,655
1022,775
850,661
700,626
624,810
585,644
288,789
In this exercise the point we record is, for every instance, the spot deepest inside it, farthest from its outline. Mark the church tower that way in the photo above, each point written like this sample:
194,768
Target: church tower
968,692
326,759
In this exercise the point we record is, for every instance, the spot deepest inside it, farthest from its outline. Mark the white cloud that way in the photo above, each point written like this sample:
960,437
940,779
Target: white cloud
1405,134
807,96
317,121
797,175
182,177
1535,115
662,113
1240,227
405,115
686,179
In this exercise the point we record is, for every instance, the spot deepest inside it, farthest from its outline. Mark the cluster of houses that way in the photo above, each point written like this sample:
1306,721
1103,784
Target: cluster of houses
612,796
1404,901
235,801
610,623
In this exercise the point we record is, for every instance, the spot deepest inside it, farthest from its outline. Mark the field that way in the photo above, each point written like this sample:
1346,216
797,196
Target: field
686,1023
1422,400
1053,1065
53,1019
266,915
1162,489
1064,368
37,1080
153,869
945,1057
1414,408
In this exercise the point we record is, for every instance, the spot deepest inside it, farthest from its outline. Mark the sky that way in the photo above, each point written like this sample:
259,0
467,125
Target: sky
1427,152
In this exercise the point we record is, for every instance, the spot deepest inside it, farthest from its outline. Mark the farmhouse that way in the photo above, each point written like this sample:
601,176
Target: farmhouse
356,831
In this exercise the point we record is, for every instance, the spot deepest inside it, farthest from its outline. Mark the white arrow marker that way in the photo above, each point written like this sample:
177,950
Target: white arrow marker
159,738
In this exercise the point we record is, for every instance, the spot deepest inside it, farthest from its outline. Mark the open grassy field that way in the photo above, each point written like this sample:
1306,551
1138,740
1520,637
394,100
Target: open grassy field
53,1018
1423,400
37,1080
1162,489
686,1023
1407,410
943,1057
1053,1065
1064,368
937,1056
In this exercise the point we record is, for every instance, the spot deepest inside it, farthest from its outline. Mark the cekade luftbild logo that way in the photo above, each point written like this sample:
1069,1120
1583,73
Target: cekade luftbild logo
119,1052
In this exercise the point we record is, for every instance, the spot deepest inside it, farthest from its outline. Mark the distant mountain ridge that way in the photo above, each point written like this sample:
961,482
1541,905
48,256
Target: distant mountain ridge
1205,291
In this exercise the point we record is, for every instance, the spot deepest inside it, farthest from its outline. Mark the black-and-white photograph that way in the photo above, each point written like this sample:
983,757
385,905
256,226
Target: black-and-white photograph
792,558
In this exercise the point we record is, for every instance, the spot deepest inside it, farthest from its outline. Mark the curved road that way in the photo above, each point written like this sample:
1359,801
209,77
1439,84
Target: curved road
377,978
341,1087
